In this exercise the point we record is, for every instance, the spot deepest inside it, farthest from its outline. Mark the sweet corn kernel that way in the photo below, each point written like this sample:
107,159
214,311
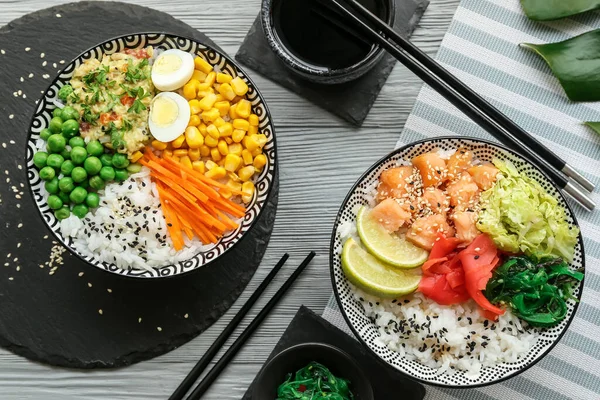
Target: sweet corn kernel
260,161
245,173
180,153
213,131
235,148
208,102
202,87
210,115
194,120
225,193
216,173
194,154
193,137
248,191
167,154
221,162
228,139
223,147
233,177
238,135
186,162
262,139
239,86
253,120
242,124
136,156
202,65
224,78
203,93
243,108
253,130
211,141
199,75
204,150
234,185
158,145
177,143
215,154
219,122
256,152
223,107
202,129
247,157
189,91
198,166
226,129
232,113
232,162
220,97
211,78
227,91
251,142
194,107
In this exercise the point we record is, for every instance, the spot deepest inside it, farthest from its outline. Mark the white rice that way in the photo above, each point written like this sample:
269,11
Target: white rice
128,228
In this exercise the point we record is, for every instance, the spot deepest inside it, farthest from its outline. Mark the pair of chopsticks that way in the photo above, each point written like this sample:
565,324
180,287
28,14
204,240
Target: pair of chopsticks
201,365
359,21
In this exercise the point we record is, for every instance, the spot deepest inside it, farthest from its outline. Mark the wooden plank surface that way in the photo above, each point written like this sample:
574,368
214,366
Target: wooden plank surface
320,158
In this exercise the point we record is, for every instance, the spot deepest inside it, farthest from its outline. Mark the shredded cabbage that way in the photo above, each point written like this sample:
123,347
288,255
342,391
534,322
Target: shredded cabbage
521,217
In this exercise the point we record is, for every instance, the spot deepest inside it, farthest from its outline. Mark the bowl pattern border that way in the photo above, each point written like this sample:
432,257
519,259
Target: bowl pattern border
43,114
366,331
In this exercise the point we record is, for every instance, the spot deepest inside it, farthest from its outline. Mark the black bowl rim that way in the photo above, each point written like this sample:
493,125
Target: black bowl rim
302,67
321,345
269,190
337,221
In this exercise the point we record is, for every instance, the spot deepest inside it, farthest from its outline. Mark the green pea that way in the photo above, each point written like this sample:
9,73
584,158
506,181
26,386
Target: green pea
107,174
40,159
56,143
121,175
76,141
47,173
57,113
45,134
66,184
106,159
78,195
78,155
92,165
55,160
80,210
54,202
95,148
70,128
96,182
69,113
134,168
64,197
55,125
85,184
92,200
120,160
67,167
66,153
52,186
62,213
78,174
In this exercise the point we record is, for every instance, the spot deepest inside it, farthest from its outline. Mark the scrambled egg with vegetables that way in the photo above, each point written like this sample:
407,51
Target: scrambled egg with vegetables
112,97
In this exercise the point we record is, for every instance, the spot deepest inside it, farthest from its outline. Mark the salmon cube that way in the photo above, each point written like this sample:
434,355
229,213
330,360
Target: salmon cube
431,167
390,214
464,223
463,192
459,162
436,200
484,175
424,231
395,182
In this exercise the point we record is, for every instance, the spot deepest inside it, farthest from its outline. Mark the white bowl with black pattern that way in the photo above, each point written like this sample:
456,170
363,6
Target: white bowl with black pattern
161,41
366,330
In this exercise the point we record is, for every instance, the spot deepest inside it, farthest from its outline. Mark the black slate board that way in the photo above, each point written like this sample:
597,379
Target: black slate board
55,318
350,101
387,382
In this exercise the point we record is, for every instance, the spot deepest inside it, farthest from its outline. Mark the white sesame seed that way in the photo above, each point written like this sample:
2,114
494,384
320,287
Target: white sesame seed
42,55
27,48
158,328
45,76
19,166
19,92
24,96
20,225
58,15
89,284
45,236
100,311
11,116
11,278
54,65
30,75
44,63
11,142
61,62
18,245
22,79
6,264
185,316
15,94
109,290
8,255
80,274
2,51
139,320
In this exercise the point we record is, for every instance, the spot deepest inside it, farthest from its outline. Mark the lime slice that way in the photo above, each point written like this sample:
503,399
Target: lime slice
389,248
375,277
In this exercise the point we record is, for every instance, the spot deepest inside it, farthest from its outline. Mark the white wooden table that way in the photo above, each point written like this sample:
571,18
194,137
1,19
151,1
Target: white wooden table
320,158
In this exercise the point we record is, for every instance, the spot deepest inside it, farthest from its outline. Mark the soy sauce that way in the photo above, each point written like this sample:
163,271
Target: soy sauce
314,40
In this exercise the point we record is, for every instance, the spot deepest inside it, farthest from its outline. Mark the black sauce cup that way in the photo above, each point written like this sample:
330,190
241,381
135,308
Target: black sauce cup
297,357
310,71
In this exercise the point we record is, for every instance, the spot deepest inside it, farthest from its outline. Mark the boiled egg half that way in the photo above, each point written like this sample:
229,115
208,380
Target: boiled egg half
169,116
172,69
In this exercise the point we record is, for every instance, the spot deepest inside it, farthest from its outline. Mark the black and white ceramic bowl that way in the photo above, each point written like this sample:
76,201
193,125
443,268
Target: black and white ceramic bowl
367,331
161,41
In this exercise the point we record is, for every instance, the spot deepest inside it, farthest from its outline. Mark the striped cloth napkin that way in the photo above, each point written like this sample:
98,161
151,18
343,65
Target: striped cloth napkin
481,48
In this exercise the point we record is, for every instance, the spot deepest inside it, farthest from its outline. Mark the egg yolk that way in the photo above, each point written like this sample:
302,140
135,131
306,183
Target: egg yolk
164,111
167,64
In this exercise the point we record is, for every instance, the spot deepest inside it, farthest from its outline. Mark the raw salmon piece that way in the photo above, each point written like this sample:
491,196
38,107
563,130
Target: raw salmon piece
464,222
436,200
424,231
459,162
431,167
463,192
398,180
484,175
390,214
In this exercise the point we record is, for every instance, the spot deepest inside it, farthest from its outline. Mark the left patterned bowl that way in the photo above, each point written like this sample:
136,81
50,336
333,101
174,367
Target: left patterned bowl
160,41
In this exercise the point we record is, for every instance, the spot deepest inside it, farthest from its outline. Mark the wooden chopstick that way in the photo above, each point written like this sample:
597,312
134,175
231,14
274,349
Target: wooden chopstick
467,104
201,365
212,375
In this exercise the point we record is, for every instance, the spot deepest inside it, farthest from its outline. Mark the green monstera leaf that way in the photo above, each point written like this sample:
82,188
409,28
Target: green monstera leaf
595,126
547,10
576,64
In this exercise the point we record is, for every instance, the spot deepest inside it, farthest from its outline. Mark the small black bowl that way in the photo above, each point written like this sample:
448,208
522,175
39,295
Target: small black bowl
297,357
320,74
